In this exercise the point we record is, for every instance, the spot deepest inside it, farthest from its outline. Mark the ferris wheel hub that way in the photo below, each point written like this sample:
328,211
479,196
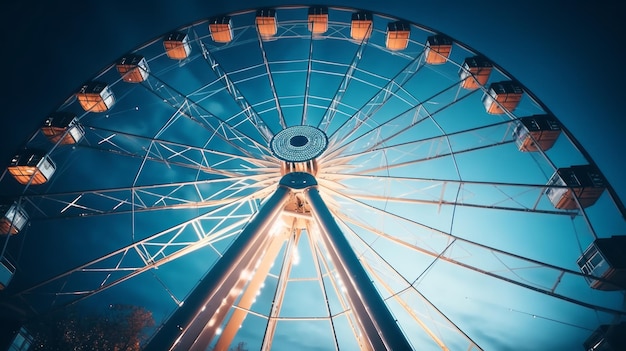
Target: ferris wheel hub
299,144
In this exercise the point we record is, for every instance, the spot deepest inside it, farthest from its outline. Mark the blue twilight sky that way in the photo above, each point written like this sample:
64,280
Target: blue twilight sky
567,56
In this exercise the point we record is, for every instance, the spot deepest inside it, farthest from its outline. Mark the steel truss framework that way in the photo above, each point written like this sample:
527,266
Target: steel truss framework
448,219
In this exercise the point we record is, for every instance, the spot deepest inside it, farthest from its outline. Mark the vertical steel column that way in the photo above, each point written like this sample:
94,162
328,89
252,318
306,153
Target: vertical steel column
251,292
383,332
197,317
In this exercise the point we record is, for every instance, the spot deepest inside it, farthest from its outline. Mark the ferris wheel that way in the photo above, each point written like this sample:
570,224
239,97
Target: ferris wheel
294,177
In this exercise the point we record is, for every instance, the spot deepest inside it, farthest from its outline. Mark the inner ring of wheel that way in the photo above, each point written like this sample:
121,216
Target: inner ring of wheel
298,144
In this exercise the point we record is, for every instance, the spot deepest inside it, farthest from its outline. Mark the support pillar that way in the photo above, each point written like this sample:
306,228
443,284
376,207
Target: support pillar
249,295
195,322
381,329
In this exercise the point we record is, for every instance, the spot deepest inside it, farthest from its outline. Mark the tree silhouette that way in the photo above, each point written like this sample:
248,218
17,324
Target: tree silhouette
117,328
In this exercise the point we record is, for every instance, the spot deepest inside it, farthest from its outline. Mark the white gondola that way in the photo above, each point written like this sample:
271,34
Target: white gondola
398,34
177,45
575,185
221,29
62,127
95,97
535,133
7,270
13,219
502,97
31,167
605,258
133,68
438,49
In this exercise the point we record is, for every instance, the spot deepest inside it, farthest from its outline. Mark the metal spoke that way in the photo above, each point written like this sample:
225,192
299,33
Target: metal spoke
150,253
529,263
190,109
171,149
416,115
270,77
343,86
232,89
182,195
375,102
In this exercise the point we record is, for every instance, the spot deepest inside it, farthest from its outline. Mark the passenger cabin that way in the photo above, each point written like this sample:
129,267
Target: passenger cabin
13,219
318,19
31,166
22,341
607,338
437,50
177,45
582,183
133,68
475,72
221,29
502,97
7,270
62,127
266,23
361,26
95,97
605,258
398,34
536,133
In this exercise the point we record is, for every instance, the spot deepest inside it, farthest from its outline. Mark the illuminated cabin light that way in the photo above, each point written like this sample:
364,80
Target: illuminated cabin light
62,127
266,23
475,72
95,97
502,97
398,34
318,19
13,219
177,45
133,68
221,29
438,48
584,183
605,258
33,165
361,26
535,133
7,270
